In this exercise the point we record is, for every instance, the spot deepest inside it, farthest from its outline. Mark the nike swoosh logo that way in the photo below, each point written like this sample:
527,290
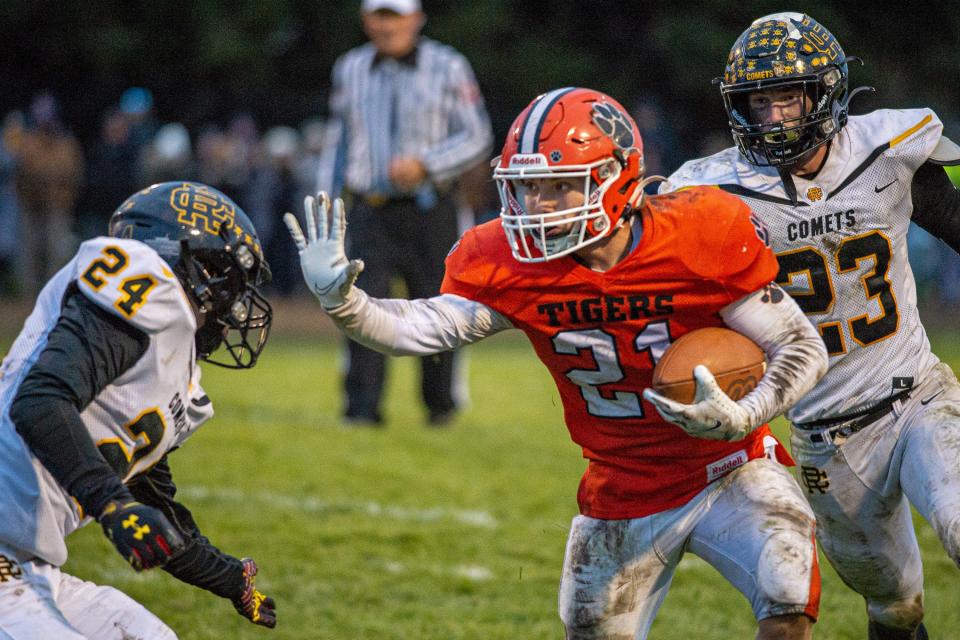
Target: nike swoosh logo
930,399
879,189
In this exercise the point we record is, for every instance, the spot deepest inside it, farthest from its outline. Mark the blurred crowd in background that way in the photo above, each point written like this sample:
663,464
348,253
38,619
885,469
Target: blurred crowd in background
66,191
55,192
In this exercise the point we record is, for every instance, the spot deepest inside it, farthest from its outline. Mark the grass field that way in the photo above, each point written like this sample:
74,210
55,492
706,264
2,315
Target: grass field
416,533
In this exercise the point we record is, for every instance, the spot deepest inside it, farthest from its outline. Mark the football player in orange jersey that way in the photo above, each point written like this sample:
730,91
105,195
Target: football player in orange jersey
601,279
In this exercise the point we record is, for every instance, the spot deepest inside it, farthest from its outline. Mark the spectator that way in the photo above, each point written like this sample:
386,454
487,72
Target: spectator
406,119
664,156
111,174
312,132
168,156
136,105
48,178
272,189
9,212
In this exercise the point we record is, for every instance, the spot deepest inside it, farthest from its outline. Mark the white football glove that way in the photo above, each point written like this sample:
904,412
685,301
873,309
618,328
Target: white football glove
713,414
325,267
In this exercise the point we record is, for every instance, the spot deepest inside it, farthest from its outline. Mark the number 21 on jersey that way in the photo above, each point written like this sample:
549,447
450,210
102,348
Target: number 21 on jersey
653,339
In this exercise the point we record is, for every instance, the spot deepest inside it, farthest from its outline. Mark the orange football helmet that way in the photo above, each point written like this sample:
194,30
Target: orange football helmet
570,133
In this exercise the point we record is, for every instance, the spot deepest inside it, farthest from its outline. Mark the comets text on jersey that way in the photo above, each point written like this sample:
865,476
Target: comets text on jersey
820,225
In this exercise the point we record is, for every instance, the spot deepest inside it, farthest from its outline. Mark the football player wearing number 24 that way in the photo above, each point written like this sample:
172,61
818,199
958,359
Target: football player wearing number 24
836,194
101,384
601,279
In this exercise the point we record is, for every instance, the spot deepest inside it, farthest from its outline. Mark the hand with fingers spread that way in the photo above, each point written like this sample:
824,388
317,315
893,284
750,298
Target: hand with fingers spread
713,414
326,269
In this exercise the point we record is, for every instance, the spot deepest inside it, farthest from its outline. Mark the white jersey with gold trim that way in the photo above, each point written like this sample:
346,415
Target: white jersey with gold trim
843,252
152,407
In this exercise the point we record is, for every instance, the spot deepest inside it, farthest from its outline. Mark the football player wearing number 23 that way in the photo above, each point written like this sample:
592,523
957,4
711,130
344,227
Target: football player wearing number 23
101,384
836,194
601,279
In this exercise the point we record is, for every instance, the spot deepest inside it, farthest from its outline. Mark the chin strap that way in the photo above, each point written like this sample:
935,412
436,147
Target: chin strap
635,203
788,184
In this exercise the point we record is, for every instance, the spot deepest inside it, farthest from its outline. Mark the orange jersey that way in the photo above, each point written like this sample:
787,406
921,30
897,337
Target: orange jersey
600,335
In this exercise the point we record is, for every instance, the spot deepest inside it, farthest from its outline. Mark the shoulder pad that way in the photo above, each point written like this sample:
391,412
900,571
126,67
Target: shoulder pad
946,153
894,127
130,280
735,237
720,168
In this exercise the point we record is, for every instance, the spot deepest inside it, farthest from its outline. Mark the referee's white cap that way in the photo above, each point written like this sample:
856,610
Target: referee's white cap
403,7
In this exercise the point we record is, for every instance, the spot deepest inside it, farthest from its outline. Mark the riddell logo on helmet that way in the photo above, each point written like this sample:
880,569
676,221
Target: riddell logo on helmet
528,160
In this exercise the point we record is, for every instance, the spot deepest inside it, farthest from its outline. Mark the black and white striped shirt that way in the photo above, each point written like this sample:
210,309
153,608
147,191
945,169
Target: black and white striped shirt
427,106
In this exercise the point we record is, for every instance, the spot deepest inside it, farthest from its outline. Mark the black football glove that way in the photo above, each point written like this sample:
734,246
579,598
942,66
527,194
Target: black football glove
141,534
251,604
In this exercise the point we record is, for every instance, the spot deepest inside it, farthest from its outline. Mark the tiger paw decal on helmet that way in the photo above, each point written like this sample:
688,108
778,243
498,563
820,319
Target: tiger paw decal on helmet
614,124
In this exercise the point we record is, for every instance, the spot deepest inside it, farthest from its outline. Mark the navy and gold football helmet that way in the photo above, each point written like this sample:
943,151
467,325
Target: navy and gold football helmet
786,50
214,251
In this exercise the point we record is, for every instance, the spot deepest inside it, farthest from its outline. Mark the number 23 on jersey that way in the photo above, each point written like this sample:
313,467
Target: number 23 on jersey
820,294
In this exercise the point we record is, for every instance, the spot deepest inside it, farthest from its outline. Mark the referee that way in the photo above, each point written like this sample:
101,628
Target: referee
406,120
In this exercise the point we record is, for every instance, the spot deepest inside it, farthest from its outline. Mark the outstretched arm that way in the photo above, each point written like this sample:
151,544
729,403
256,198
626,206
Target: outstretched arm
796,360
391,326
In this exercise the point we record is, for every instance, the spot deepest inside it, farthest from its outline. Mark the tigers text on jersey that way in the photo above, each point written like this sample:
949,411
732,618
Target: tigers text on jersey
600,335
152,407
843,252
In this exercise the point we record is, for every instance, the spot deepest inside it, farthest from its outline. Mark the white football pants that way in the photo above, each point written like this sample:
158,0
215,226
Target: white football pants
40,602
753,526
861,489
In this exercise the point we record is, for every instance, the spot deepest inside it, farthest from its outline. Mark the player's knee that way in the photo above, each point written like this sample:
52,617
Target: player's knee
879,632
785,572
580,619
900,614
795,626
590,620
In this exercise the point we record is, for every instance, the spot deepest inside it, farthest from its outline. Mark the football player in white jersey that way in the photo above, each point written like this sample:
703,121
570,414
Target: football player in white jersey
99,386
837,194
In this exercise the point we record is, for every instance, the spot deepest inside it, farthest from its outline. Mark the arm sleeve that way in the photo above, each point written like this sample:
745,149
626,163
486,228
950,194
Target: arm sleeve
936,204
201,563
796,356
471,133
86,350
416,327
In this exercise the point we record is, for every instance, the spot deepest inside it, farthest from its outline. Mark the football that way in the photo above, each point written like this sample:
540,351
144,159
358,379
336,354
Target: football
735,361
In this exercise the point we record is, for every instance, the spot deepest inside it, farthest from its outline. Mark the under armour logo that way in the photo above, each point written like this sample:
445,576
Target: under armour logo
814,479
131,523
